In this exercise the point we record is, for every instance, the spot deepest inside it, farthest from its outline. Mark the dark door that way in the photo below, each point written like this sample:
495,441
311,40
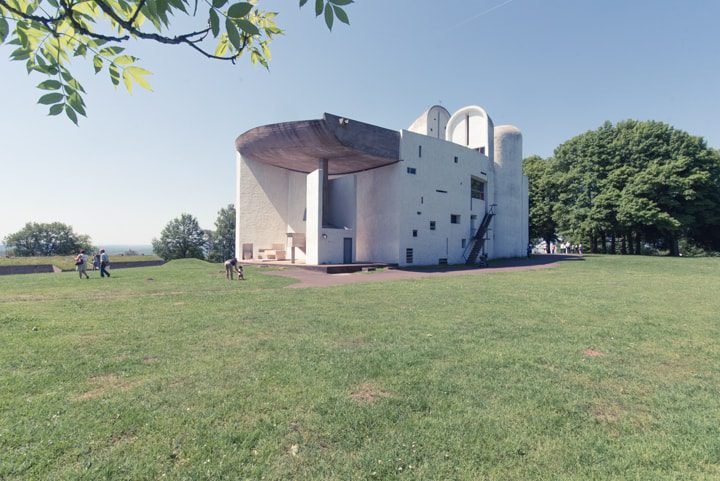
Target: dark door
347,250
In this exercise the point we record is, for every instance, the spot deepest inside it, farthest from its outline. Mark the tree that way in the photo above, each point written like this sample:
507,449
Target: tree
181,238
223,240
542,196
637,182
53,239
47,34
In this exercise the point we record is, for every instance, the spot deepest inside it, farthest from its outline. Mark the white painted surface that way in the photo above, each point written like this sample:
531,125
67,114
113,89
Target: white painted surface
433,122
314,216
421,203
261,205
378,197
472,127
511,220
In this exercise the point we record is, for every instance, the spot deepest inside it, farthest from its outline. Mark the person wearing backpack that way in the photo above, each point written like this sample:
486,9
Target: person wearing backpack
81,264
104,262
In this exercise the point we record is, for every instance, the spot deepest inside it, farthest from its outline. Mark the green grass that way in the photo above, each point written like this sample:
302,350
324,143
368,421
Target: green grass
66,263
174,373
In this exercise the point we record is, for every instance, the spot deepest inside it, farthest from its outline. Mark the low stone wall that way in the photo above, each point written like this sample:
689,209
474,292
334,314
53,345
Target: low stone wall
124,265
36,269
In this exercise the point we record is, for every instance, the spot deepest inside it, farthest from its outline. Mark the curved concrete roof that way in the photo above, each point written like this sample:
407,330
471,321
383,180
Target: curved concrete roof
348,145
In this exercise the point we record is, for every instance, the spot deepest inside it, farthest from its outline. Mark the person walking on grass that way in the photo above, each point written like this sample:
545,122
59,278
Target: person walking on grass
96,261
81,264
104,263
233,265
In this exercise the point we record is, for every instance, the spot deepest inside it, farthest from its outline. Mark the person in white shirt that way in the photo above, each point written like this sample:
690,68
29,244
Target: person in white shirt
104,263
81,263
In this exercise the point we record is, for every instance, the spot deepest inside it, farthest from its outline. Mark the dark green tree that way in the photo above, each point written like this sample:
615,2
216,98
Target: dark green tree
542,196
637,182
181,238
223,239
41,239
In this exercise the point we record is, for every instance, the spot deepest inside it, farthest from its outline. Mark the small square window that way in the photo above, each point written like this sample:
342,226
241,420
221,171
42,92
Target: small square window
414,232
409,256
454,218
411,170
442,261
432,225
419,213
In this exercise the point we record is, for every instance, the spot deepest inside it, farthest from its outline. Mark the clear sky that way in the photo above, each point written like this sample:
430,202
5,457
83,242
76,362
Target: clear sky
553,68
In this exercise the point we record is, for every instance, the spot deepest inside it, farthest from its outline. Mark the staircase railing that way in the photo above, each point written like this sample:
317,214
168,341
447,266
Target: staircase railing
477,243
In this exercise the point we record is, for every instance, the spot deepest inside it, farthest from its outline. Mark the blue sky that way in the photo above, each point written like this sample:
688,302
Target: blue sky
554,68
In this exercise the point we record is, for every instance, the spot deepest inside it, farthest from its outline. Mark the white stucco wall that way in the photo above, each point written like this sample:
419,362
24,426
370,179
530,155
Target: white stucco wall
511,221
433,122
421,203
261,205
378,201
342,199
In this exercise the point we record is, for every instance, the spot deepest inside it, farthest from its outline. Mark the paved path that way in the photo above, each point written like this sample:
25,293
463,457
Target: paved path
307,278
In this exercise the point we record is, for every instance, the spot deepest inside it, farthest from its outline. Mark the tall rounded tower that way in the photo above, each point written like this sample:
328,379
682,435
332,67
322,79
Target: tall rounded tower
510,230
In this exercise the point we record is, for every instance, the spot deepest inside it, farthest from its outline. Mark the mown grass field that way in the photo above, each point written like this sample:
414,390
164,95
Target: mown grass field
66,263
605,369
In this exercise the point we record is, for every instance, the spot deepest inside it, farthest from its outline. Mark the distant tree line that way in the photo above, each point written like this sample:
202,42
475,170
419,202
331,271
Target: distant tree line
183,238
626,187
46,239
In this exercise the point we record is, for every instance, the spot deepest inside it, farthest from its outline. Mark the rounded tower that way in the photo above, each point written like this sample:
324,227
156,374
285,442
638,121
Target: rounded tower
510,229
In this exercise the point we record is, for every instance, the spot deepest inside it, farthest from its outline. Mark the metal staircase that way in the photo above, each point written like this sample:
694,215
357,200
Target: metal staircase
478,241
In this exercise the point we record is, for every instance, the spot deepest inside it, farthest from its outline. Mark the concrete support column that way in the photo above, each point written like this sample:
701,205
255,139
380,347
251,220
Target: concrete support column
316,193
323,168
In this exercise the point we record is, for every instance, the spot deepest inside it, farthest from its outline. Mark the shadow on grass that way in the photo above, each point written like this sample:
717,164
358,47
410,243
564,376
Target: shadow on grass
520,262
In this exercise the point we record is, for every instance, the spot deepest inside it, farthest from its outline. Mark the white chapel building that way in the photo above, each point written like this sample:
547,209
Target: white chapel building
449,189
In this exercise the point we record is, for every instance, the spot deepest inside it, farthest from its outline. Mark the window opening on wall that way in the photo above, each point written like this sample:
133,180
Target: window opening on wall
456,159
432,225
441,191
414,232
419,150
477,188
411,170
419,213
421,199
463,243
481,150
442,261
305,215
409,256
454,218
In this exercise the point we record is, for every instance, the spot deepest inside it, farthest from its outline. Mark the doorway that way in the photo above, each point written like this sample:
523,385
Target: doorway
347,250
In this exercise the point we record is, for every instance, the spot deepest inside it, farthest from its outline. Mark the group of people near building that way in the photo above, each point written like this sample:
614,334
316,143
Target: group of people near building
567,248
100,260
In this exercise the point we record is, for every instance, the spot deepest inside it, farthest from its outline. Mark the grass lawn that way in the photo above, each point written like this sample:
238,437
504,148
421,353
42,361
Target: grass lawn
605,369
66,263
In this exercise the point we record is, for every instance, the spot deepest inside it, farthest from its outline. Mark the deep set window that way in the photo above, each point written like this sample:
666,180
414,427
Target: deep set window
414,232
477,188
409,256
411,170
432,225
454,218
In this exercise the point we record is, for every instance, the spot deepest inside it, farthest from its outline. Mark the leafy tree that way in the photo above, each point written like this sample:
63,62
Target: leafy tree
542,197
637,182
181,238
53,239
223,245
47,34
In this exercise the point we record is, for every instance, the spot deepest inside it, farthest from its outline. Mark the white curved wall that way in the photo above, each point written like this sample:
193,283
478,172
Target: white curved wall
433,122
472,127
510,225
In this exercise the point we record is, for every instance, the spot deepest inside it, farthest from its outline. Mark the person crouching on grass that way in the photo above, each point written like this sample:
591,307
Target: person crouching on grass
233,265
81,264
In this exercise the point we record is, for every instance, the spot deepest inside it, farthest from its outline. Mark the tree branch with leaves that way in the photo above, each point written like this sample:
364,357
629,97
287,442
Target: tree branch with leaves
49,35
